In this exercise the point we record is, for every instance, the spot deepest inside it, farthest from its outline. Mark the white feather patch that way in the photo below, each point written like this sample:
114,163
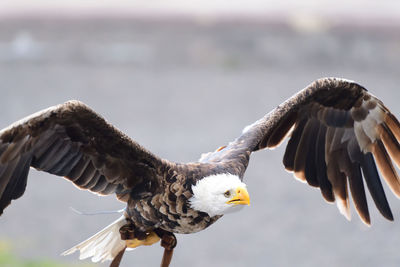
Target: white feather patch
369,126
362,139
377,113
343,206
104,245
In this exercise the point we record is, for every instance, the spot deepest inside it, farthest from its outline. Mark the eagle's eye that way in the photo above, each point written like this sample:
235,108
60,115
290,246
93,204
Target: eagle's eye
227,193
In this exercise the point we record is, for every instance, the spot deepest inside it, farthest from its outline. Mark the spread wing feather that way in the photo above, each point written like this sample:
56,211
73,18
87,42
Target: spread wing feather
339,135
71,140
354,133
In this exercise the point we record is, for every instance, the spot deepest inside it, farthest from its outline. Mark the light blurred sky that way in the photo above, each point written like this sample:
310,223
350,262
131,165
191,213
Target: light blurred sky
388,11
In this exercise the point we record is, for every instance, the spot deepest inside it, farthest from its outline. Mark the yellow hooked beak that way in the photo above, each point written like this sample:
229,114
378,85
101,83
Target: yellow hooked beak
241,197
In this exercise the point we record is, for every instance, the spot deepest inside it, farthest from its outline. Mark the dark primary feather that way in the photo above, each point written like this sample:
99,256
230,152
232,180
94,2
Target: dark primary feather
71,140
320,164
375,186
291,148
352,170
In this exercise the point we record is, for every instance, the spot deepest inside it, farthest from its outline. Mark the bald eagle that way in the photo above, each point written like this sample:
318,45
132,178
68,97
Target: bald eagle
338,133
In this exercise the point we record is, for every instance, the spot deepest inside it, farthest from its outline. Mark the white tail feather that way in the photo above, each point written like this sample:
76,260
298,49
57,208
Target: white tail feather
102,246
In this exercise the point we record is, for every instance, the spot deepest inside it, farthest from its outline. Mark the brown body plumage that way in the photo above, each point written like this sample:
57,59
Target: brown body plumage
337,130
169,209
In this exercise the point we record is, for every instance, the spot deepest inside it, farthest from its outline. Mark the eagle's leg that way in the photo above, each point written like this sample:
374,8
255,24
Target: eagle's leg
168,242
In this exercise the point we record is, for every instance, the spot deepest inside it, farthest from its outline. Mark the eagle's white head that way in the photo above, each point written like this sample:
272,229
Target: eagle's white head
219,194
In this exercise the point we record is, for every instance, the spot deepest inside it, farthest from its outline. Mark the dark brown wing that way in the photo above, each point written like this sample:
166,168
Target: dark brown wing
71,140
339,133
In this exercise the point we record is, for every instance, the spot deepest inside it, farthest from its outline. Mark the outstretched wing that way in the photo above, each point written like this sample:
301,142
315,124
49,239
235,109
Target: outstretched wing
71,140
338,134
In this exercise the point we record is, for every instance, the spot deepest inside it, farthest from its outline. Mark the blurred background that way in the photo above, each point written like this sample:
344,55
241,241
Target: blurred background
183,78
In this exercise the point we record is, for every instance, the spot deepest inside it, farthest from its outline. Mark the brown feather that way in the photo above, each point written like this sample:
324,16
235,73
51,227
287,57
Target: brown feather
374,184
110,188
334,117
87,175
65,168
281,131
78,169
16,183
390,142
20,177
43,162
66,163
291,148
305,154
7,174
93,181
359,113
57,155
353,173
112,171
302,150
44,142
339,183
324,184
358,194
336,143
393,124
123,197
53,155
330,134
386,167
100,185
13,150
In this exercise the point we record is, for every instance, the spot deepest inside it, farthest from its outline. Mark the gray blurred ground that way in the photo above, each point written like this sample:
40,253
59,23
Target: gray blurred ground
181,88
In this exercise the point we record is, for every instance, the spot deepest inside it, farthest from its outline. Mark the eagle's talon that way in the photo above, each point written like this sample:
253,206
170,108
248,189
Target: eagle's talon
127,232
